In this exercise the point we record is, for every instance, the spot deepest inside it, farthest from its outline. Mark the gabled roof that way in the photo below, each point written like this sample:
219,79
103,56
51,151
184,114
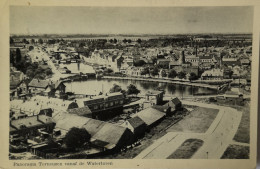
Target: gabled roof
31,121
39,83
135,122
110,133
150,115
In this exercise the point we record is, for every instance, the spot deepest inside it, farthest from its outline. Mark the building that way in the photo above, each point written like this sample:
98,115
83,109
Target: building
205,59
154,97
136,125
38,86
213,74
104,106
150,116
56,89
175,104
104,136
29,108
29,126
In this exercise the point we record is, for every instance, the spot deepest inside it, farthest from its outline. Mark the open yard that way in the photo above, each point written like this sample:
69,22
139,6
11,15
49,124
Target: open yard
243,132
187,149
198,121
236,152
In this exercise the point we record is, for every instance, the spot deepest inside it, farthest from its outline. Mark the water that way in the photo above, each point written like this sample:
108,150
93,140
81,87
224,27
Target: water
94,86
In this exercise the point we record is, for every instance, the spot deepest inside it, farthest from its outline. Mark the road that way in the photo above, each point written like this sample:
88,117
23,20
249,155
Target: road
39,55
216,139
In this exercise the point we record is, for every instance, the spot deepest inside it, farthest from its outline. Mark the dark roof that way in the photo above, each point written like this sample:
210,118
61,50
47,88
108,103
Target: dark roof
150,115
39,83
175,101
31,121
230,63
81,111
136,122
205,57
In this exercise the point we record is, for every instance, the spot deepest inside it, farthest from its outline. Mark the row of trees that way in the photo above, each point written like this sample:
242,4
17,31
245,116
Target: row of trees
131,89
154,71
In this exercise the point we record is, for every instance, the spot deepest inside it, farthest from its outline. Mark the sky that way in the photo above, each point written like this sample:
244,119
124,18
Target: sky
130,20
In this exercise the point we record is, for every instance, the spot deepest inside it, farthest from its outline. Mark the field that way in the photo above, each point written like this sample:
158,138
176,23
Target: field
236,152
198,121
187,149
243,132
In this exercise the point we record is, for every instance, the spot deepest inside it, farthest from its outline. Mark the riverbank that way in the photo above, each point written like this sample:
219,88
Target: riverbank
214,87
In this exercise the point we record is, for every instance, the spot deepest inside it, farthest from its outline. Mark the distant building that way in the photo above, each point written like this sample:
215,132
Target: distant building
56,89
213,74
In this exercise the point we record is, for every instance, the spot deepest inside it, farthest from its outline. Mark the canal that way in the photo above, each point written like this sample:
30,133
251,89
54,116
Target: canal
95,86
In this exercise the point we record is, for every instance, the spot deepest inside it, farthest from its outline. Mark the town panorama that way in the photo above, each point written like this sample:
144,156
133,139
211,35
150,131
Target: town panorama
183,96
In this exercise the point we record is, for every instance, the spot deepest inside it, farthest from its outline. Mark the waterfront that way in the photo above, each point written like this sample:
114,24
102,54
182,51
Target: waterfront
95,86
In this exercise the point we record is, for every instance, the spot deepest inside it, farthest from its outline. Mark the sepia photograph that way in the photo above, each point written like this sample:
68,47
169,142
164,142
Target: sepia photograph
93,82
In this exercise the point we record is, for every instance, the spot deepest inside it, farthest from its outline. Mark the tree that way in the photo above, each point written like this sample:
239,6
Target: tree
115,41
139,40
172,73
163,73
115,88
31,48
82,44
11,58
131,89
155,71
193,76
139,63
24,41
181,75
145,71
18,55
129,40
40,41
111,40
124,40
11,40
77,137
32,41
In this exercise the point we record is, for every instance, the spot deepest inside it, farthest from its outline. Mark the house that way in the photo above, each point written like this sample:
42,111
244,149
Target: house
38,86
205,59
213,74
163,63
192,59
29,126
136,125
29,108
245,62
56,89
154,97
103,135
150,116
112,136
175,104
16,78
134,71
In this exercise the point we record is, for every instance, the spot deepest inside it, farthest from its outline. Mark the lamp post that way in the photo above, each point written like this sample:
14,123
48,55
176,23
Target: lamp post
207,154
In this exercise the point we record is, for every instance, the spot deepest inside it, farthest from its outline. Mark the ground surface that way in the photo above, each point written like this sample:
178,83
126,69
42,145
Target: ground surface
197,121
236,152
216,139
187,149
243,132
